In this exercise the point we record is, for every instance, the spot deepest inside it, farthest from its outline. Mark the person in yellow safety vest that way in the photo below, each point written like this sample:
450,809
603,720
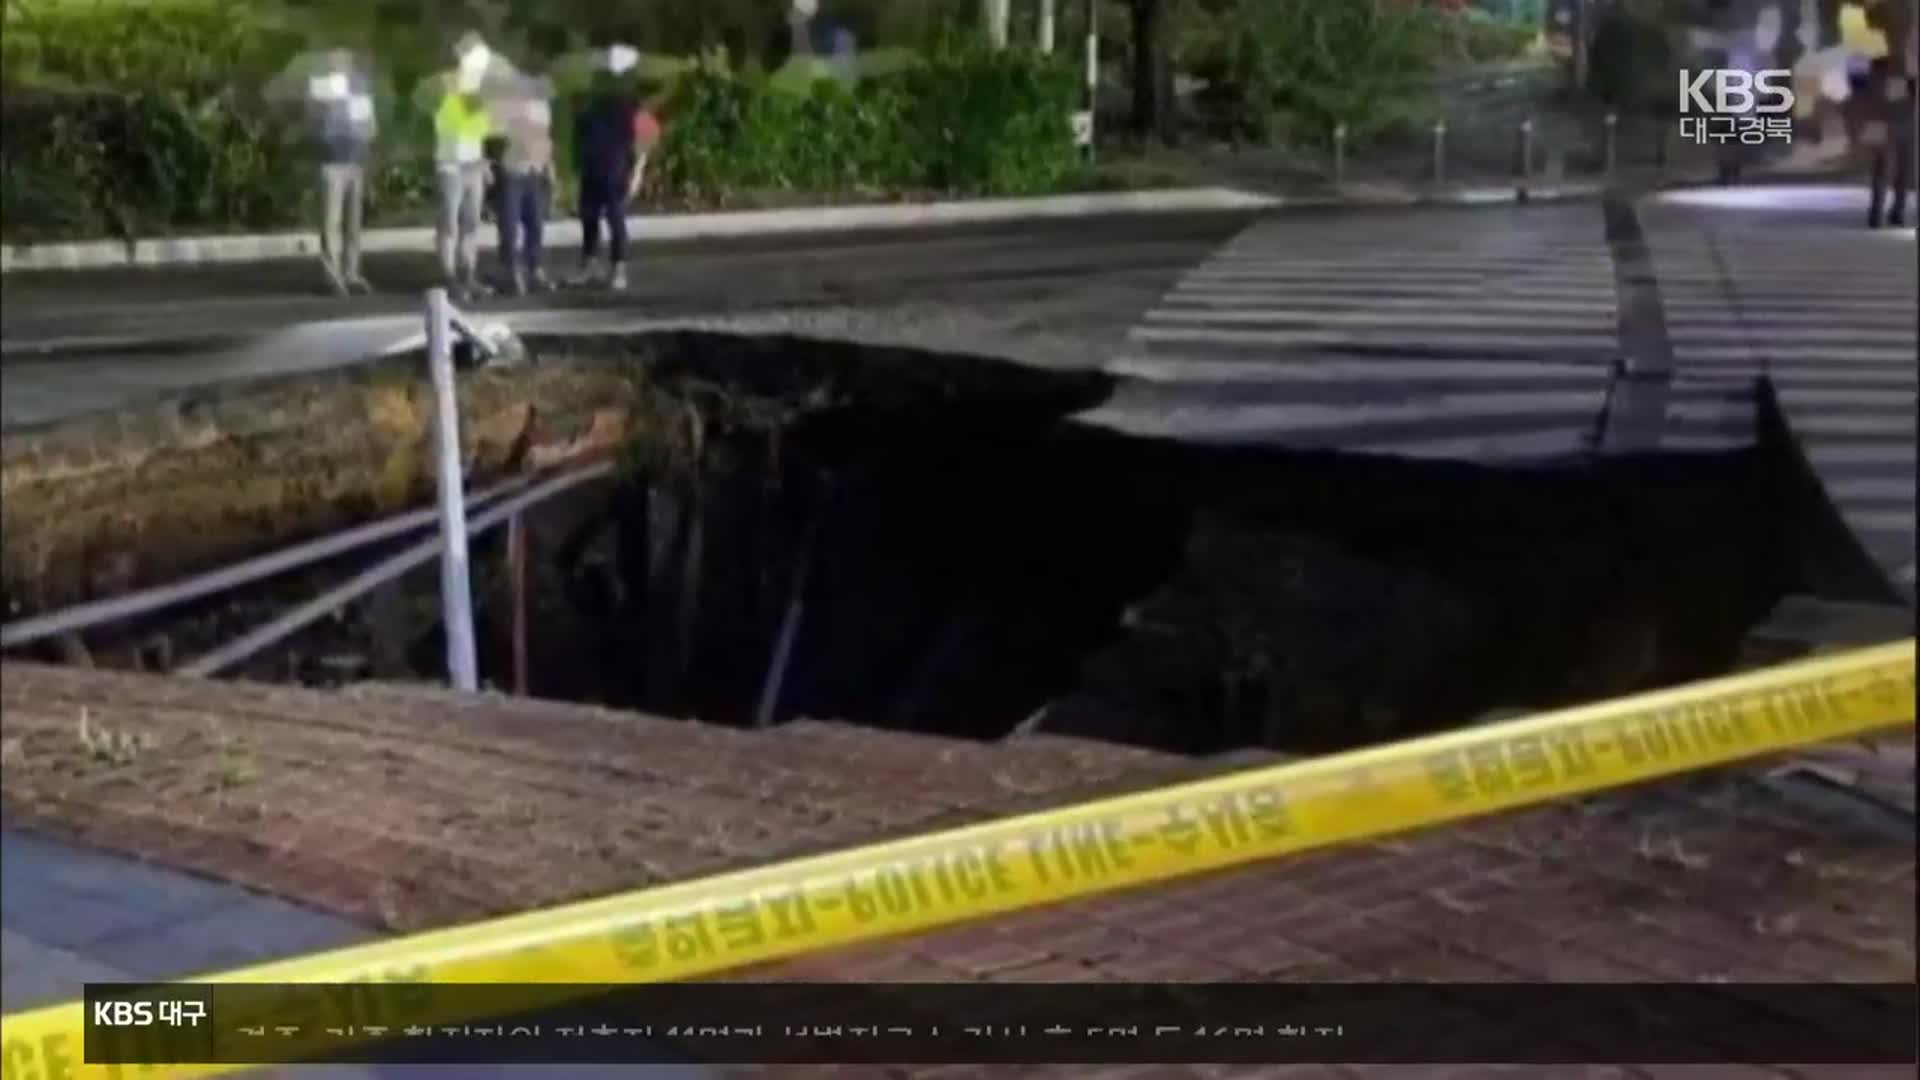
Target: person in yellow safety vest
461,127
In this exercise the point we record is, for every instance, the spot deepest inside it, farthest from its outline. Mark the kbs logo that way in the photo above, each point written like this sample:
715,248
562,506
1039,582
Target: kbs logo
146,1013
123,1013
1735,92
1727,105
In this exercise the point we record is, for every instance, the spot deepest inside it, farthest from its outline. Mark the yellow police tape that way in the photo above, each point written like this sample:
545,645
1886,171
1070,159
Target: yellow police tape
699,927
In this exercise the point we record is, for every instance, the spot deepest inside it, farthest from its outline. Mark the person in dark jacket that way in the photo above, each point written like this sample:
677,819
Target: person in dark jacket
606,156
1892,88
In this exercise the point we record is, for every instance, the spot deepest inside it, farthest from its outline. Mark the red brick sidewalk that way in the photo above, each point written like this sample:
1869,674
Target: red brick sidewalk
388,806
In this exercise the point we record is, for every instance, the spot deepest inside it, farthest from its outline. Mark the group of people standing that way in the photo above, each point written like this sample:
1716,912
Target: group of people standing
493,149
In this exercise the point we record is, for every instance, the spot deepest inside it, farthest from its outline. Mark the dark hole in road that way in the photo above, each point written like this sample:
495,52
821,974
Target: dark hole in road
977,562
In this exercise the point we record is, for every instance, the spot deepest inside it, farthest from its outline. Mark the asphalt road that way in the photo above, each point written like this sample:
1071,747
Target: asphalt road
80,341
1023,262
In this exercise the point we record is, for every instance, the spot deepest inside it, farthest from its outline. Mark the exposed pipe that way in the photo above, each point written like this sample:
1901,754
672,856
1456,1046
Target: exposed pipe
386,570
517,577
129,605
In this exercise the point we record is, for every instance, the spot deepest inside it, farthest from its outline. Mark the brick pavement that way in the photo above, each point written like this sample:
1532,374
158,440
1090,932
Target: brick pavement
1726,876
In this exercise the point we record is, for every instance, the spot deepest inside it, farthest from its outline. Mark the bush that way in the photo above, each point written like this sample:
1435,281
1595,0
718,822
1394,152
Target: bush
125,164
125,133
1280,68
969,121
191,47
1484,39
124,119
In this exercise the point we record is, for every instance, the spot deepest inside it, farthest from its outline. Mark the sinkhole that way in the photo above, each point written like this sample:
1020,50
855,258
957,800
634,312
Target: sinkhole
935,544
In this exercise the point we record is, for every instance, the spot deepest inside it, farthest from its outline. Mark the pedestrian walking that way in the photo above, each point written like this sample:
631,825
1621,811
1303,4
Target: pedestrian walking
1893,90
608,161
1890,142
526,184
334,92
461,125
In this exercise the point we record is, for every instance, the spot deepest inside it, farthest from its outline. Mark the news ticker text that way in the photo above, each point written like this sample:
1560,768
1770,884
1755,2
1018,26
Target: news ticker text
798,1023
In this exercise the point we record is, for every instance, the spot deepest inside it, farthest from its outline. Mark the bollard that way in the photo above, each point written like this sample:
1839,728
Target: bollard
1525,166
1439,151
1339,153
1610,147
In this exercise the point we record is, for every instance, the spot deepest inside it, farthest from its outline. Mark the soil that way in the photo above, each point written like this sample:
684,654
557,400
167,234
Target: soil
943,549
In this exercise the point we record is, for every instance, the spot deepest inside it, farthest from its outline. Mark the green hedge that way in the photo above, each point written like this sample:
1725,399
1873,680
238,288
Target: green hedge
1280,69
146,137
970,121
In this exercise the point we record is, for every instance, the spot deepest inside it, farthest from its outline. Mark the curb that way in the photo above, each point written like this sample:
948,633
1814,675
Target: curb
102,254
210,250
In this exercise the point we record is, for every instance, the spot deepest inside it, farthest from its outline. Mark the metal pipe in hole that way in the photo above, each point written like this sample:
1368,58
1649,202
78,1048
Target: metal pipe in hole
379,574
160,597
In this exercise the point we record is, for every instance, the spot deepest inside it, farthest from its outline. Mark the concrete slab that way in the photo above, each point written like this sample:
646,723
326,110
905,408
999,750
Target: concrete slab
70,916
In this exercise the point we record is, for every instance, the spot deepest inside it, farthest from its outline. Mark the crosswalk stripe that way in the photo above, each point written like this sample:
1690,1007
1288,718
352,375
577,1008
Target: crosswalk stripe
1424,336
1545,342
1831,320
1769,353
1816,424
1381,318
1728,330
1843,397
1320,299
1838,458
1494,340
1184,368
1861,492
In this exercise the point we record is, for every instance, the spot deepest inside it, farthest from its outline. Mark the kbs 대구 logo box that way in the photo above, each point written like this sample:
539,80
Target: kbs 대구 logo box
1722,105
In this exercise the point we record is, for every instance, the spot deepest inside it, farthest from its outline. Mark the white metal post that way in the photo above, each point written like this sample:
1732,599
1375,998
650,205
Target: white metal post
996,14
456,595
1046,25
1093,73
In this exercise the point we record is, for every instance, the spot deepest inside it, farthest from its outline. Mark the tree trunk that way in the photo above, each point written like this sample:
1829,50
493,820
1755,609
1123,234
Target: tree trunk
1150,78
98,505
